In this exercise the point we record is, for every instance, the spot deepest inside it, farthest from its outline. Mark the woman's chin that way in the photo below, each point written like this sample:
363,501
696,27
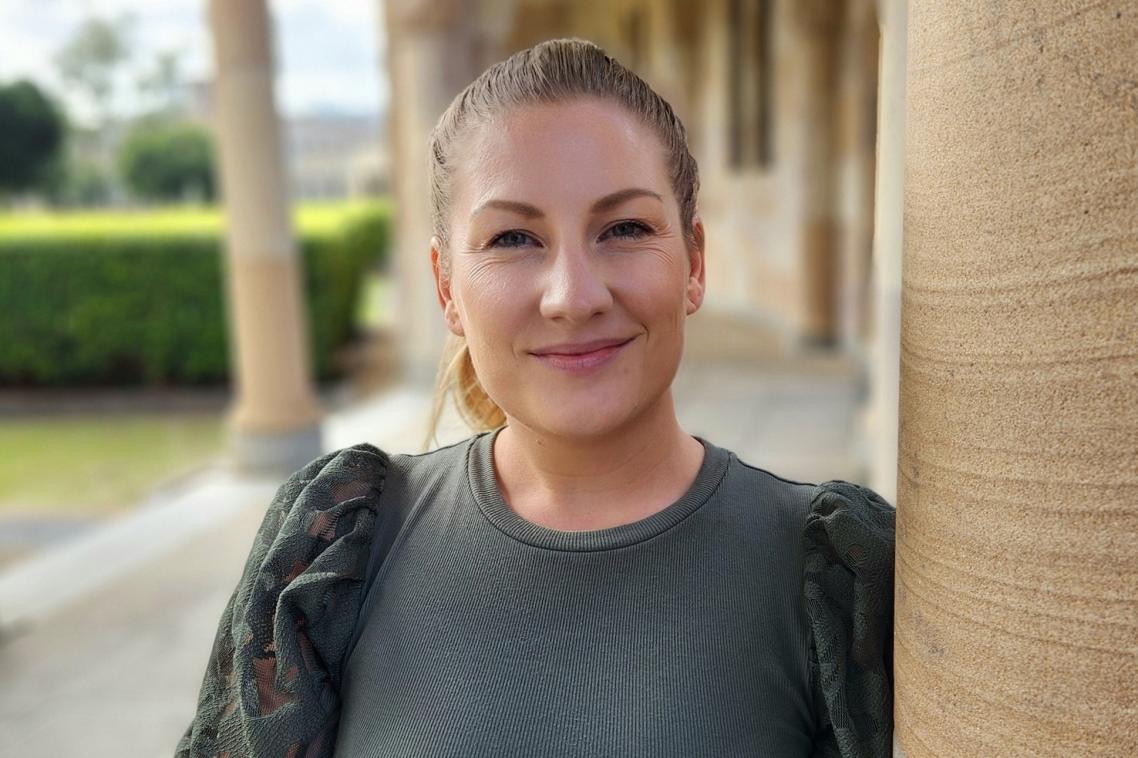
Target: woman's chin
577,420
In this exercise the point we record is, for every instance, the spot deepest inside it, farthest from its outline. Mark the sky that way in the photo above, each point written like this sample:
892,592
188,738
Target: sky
328,52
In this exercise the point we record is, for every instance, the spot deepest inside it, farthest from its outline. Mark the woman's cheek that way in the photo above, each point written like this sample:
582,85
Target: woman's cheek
650,291
489,289
496,314
651,261
504,314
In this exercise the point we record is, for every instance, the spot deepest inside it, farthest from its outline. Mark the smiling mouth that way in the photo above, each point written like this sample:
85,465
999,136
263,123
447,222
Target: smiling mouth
586,352
582,362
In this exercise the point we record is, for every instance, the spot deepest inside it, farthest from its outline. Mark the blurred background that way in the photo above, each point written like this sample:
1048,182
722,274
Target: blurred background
214,267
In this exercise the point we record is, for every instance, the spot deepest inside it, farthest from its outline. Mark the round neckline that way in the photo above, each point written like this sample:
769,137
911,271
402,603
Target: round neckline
488,496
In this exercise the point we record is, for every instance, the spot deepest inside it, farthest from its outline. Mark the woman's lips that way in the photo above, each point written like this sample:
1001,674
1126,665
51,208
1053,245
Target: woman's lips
582,363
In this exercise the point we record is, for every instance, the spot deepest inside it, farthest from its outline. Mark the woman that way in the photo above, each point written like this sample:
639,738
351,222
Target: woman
581,576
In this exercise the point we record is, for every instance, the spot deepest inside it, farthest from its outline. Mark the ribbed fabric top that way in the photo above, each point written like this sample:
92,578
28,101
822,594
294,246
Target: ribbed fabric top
489,498
681,634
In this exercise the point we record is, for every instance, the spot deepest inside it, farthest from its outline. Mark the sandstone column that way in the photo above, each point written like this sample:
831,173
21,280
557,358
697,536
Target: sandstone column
430,60
857,90
816,25
1017,554
275,418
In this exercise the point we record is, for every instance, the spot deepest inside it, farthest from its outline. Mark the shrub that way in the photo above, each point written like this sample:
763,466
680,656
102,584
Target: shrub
168,161
108,300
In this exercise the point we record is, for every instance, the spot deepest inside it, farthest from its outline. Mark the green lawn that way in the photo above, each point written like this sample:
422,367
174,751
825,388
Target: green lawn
309,216
96,465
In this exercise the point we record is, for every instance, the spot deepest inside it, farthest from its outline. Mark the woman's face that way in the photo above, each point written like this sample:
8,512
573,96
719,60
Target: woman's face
564,232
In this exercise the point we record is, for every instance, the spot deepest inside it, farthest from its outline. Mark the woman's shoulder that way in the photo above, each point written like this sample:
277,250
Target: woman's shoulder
277,655
363,465
445,457
850,524
849,538
279,650
774,493
832,510
362,462
845,532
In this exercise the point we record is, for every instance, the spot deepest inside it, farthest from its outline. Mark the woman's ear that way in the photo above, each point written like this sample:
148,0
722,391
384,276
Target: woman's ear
443,290
697,272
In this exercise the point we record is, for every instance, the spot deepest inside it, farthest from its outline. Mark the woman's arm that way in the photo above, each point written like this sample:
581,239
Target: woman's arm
848,587
271,685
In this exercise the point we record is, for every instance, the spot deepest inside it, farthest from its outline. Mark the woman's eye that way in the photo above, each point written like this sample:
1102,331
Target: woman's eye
629,229
512,238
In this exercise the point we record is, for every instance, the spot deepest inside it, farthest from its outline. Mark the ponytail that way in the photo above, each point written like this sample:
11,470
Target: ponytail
456,375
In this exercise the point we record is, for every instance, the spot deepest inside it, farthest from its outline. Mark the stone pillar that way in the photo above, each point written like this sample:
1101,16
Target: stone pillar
855,162
885,274
1017,553
275,419
816,26
431,57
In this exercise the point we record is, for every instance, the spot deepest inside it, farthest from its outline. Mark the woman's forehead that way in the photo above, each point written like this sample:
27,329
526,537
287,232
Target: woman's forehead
581,148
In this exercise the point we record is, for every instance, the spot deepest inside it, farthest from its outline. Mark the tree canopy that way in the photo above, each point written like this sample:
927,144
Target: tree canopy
168,161
93,56
33,127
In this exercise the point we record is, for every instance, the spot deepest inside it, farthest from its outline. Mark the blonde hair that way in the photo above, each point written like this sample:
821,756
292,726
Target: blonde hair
553,71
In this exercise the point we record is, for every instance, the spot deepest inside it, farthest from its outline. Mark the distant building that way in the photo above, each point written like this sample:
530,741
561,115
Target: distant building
329,156
333,156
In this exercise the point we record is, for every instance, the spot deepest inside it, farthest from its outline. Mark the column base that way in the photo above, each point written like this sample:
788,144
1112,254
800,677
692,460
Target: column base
278,454
808,342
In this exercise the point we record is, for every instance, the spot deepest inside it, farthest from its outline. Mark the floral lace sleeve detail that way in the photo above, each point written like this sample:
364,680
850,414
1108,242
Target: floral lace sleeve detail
848,586
271,685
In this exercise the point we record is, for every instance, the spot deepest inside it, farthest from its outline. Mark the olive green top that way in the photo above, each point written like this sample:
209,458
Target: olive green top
683,633
285,669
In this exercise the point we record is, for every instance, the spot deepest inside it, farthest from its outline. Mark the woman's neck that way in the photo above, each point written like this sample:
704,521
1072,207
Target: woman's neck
599,482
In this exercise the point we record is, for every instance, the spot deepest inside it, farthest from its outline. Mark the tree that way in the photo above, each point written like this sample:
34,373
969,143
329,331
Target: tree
91,62
162,83
92,57
74,181
168,161
33,128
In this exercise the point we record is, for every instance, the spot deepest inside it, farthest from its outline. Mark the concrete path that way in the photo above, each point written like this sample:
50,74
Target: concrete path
108,634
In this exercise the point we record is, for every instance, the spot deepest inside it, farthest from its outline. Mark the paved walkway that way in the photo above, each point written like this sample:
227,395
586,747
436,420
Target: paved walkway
109,634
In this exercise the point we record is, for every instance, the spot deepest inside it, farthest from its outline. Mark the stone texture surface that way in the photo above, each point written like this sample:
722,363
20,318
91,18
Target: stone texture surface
1016,608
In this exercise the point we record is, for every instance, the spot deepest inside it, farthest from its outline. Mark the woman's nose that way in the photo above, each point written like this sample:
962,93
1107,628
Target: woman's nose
575,290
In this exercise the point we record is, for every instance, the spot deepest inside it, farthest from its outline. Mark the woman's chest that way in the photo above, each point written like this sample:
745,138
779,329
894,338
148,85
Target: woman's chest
487,646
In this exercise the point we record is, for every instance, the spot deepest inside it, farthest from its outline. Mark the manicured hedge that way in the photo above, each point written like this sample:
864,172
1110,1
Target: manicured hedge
122,299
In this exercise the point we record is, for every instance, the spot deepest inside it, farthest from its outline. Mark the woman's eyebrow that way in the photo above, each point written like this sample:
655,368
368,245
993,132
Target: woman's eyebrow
516,206
608,202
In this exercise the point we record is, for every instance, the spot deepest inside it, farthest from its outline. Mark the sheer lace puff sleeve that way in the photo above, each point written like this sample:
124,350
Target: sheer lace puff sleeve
848,588
271,686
